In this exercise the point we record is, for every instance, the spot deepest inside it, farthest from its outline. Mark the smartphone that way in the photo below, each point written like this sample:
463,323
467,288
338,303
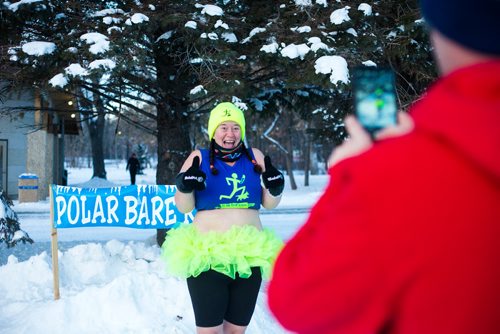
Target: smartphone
375,103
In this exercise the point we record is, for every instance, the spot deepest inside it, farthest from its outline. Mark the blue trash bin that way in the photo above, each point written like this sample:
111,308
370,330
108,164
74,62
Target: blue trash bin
28,188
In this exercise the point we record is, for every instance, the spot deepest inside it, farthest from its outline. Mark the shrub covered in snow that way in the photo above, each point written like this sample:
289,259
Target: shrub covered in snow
10,231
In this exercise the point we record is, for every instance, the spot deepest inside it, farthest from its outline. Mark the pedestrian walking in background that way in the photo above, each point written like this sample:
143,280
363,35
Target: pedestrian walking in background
133,166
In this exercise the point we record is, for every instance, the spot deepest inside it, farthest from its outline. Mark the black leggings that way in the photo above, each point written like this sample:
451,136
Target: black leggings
217,297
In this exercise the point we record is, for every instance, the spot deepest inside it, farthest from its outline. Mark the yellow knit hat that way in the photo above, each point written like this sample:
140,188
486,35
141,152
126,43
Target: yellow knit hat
225,112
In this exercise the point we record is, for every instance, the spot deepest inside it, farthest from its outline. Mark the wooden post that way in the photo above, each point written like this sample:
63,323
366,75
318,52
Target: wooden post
55,255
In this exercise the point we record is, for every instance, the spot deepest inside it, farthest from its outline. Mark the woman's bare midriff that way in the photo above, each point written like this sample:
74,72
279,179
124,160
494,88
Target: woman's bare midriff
221,220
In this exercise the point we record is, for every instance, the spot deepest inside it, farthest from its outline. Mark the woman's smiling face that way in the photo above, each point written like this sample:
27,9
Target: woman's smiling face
228,135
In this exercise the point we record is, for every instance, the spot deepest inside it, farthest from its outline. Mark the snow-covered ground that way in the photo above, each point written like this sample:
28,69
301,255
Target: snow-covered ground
111,279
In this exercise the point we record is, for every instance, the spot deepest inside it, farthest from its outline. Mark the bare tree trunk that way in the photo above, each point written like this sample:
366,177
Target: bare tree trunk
96,131
172,123
326,151
95,125
289,155
173,142
307,159
287,149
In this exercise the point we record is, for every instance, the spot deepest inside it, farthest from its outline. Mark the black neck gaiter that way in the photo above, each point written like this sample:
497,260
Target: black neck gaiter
228,155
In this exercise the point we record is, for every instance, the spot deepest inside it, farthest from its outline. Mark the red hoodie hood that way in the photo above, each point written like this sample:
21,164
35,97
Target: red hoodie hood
463,111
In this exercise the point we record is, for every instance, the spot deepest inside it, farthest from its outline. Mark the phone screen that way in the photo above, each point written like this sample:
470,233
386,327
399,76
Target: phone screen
375,102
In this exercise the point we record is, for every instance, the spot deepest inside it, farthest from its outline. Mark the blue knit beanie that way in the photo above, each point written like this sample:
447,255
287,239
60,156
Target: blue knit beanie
472,24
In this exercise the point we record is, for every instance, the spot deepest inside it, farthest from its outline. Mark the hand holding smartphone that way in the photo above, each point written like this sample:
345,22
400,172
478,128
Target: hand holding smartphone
375,104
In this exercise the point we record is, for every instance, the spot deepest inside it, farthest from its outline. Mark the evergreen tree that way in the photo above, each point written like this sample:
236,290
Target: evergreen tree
172,61
181,58
10,230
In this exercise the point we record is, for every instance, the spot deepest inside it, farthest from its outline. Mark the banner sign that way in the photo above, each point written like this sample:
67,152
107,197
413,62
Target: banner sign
137,206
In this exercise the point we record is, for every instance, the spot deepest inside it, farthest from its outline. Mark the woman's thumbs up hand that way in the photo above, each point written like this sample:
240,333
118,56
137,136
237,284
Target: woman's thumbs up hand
272,178
192,179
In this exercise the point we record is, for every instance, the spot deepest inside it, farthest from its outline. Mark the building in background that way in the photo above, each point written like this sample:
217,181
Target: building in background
33,125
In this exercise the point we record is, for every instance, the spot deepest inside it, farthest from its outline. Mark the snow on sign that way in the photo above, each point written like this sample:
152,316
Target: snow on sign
136,206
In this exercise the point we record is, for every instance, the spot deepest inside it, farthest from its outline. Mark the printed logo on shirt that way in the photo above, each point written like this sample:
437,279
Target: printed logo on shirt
238,189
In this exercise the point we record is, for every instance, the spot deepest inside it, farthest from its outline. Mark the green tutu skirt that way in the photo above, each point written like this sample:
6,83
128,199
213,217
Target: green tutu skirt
188,252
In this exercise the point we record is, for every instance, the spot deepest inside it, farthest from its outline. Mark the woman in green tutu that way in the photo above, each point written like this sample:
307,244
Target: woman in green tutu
225,252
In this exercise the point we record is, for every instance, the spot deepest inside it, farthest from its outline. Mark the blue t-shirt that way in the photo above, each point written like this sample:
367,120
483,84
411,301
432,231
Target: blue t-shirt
235,187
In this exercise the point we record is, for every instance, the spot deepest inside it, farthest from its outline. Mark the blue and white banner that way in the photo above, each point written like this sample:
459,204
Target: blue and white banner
137,206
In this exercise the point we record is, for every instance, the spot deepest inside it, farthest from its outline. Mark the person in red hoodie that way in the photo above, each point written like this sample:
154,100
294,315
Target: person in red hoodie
406,236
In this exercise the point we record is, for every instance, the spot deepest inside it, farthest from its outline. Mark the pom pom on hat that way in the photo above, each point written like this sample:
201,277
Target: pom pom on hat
472,24
225,112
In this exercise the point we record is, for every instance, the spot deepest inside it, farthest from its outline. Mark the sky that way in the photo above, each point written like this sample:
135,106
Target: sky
112,279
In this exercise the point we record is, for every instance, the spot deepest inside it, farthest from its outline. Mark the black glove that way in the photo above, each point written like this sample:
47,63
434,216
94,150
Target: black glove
273,179
192,179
